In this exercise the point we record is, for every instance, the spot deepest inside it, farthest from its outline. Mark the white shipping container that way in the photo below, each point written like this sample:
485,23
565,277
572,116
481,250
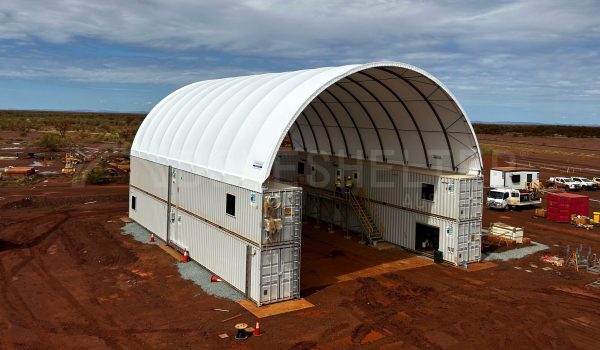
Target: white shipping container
150,177
222,253
149,211
469,241
280,273
207,198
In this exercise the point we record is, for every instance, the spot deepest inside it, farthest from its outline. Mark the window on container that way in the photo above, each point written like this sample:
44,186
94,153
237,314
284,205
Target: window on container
529,178
516,179
301,168
427,192
230,206
133,202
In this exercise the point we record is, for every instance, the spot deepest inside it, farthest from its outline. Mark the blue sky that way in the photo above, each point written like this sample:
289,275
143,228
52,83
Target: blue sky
525,61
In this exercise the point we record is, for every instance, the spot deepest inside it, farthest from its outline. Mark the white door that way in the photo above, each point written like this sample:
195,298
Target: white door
174,216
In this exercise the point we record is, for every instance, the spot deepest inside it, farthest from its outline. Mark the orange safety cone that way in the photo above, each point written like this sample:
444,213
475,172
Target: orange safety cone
186,256
257,332
152,238
214,278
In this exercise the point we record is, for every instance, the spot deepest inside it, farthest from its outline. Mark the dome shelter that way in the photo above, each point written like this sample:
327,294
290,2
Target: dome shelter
208,174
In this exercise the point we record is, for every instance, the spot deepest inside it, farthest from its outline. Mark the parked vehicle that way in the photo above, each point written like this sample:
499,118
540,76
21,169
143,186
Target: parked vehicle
564,182
585,183
507,198
596,180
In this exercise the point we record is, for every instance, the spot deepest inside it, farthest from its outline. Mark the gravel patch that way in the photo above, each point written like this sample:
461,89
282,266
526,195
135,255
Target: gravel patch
516,253
200,276
191,271
138,233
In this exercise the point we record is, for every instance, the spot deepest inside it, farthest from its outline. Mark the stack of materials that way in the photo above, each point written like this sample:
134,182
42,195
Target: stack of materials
582,221
506,235
562,205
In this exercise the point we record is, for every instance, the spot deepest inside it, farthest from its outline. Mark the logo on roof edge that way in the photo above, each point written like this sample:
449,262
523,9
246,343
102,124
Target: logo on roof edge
257,164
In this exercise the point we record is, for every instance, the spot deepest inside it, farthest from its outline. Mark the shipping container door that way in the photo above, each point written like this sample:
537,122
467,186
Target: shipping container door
280,279
464,206
475,241
291,215
476,198
463,242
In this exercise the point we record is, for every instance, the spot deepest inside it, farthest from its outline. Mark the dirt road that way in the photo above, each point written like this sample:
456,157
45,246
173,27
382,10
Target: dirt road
70,280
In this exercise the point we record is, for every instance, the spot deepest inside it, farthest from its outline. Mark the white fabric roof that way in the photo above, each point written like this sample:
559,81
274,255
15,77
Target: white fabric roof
231,129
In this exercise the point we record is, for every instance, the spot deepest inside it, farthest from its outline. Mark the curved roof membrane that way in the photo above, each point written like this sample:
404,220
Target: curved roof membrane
231,129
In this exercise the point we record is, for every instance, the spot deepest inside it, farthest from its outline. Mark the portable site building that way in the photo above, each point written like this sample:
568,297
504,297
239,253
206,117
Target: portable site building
513,177
208,173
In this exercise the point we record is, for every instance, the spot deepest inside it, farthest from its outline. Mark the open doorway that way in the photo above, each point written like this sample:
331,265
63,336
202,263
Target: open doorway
427,238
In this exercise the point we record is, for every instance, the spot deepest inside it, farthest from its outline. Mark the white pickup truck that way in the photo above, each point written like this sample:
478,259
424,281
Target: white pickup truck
585,183
564,182
507,198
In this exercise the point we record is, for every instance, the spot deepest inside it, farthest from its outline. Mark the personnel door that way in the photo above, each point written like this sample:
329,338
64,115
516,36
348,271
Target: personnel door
174,215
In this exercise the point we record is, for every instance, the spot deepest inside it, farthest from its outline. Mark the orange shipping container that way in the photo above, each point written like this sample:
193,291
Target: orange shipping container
19,171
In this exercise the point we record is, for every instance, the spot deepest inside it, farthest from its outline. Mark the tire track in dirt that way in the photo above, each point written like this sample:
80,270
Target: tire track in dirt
18,307
95,326
7,245
20,310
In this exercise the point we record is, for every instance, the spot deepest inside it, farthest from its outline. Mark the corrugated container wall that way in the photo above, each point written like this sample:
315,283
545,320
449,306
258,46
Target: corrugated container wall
395,195
454,196
207,199
459,240
148,212
562,205
150,177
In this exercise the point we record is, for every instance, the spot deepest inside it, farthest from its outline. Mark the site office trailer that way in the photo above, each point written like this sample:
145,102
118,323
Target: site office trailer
399,198
249,239
514,178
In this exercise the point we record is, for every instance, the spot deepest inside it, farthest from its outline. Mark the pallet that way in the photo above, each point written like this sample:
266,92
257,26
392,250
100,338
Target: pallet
594,269
595,284
505,241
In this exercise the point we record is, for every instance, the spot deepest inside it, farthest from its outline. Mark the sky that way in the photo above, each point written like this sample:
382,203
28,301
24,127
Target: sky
519,61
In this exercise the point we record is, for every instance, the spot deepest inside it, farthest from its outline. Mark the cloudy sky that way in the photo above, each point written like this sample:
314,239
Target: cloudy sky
530,60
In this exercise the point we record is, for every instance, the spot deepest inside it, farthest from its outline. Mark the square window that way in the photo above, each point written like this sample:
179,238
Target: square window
427,192
301,168
133,202
230,206
516,179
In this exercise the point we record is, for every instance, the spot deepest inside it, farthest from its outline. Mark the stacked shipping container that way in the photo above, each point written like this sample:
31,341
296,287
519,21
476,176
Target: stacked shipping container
394,195
562,205
190,212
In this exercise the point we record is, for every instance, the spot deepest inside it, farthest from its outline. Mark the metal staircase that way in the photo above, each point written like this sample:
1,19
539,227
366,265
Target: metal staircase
372,233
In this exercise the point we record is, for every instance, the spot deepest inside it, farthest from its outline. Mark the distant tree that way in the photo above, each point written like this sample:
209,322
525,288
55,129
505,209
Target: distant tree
62,125
51,141
96,175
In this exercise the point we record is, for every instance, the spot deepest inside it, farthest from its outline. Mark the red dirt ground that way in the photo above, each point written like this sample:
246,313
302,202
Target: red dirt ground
69,279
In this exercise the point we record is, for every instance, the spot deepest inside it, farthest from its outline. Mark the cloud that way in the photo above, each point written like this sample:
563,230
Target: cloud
489,53
296,28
